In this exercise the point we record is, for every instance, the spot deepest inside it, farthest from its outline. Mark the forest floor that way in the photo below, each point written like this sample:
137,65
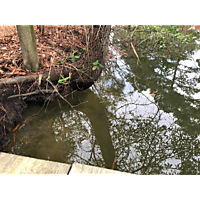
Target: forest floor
57,43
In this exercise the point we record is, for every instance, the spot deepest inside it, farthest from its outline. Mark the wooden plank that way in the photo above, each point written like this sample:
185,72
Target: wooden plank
15,164
87,169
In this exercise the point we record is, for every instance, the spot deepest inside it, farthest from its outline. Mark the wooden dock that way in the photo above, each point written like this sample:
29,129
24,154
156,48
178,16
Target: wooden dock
15,164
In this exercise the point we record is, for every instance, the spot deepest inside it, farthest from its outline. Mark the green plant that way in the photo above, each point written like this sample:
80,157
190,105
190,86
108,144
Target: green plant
96,65
48,78
63,80
53,44
73,56
61,62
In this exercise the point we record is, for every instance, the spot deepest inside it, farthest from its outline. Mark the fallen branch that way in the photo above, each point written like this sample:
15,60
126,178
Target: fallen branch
18,79
30,93
55,74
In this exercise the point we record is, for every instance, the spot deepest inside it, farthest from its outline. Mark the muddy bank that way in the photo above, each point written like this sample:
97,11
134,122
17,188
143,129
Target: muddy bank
10,113
58,76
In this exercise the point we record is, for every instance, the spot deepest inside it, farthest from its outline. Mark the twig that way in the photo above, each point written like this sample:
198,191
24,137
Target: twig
77,71
55,88
19,90
139,89
145,40
2,117
58,102
134,31
7,112
15,128
87,40
49,100
32,85
2,108
97,32
31,93
113,165
138,60
83,159
34,115
70,93
49,71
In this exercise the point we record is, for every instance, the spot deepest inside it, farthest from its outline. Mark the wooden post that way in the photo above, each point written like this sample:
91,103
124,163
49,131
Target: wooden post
28,46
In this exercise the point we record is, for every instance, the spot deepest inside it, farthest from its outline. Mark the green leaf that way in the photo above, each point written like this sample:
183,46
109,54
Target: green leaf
74,51
96,63
63,61
48,78
77,56
53,44
73,58
63,80
66,78
96,67
101,65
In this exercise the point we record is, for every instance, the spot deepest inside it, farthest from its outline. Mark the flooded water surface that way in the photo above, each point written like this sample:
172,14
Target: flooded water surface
143,116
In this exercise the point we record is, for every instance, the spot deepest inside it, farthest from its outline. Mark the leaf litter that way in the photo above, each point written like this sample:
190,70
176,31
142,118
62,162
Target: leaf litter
58,42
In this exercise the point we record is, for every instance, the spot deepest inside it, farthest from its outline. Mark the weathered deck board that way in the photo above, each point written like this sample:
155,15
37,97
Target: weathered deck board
15,164
87,169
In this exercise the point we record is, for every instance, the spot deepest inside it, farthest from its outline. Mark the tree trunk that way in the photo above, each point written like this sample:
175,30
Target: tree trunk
96,49
28,47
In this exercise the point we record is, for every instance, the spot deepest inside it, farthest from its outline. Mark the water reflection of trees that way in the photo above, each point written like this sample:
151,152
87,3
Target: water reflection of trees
85,126
74,132
143,144
166,77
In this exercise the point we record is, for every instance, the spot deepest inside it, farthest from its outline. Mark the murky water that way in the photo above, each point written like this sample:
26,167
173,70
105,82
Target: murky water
151,131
